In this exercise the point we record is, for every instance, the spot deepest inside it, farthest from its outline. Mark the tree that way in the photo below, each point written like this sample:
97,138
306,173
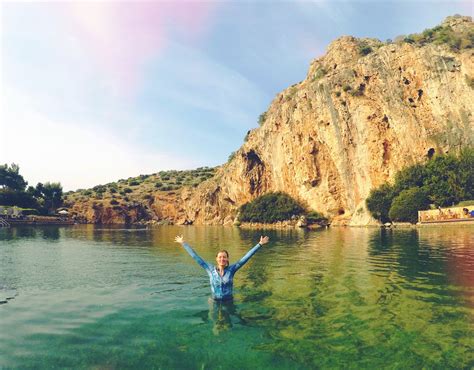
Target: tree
405,206
466,173
49,195
270,208
443,180
413,176
380,201
11,179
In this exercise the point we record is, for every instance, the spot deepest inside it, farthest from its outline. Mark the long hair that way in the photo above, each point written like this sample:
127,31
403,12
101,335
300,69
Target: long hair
227,254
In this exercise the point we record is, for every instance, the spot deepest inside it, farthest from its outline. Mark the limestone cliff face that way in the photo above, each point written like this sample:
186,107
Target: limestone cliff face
366,110
348,127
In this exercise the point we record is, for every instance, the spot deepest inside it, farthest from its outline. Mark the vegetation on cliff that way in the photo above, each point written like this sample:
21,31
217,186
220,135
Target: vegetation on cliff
143,186
443,34
135,199
44,198
443,181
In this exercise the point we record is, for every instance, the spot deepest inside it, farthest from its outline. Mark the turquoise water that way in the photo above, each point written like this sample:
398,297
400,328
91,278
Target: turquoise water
95,298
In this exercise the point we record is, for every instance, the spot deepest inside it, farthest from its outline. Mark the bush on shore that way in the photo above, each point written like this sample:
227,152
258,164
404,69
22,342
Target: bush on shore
405,205
444,179
270,208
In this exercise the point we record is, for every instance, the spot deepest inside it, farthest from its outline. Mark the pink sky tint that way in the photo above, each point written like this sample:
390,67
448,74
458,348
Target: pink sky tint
313,47
122,37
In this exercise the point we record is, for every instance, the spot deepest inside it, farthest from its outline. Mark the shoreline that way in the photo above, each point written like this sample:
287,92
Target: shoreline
282,225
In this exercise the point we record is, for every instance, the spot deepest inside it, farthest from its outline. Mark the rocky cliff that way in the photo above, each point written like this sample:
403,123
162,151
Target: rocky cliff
366,110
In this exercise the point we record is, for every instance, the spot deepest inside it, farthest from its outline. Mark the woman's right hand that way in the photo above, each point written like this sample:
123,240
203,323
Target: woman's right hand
179,239
264,240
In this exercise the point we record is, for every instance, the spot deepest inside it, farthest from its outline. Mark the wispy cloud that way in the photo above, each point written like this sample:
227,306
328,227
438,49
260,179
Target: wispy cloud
189,78
122,36
75,153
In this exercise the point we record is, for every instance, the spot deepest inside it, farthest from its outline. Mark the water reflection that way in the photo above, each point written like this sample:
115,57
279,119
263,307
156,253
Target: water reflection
222,313
327,299
18,232
51,233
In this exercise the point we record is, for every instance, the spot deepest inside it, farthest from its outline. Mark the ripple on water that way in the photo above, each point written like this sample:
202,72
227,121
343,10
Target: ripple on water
331,299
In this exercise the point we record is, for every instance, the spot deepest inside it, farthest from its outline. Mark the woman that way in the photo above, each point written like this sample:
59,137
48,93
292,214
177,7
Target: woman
221,276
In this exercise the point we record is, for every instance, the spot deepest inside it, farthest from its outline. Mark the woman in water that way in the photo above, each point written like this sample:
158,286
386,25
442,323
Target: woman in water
221,276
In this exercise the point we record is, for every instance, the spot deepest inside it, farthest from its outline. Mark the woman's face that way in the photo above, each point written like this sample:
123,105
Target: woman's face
222,259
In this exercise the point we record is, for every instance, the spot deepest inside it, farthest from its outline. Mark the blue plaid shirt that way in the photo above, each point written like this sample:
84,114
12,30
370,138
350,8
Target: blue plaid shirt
221,286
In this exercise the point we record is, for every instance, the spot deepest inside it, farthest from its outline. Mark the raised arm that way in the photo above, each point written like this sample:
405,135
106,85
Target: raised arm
250,253
192,253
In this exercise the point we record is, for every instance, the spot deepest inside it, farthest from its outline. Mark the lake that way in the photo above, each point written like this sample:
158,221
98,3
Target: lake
91,297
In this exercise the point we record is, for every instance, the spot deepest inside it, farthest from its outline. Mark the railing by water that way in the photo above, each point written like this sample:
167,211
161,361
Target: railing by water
3,222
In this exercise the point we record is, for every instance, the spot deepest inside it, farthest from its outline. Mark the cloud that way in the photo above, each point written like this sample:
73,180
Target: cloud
192,80
72,153
122,36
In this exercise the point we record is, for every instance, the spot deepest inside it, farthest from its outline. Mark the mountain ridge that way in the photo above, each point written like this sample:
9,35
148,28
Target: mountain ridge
365,110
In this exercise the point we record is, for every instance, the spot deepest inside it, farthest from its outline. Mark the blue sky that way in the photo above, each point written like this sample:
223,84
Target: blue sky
97,91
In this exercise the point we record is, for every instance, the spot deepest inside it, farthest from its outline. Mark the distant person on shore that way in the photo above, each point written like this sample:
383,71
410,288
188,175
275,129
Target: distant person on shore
221,276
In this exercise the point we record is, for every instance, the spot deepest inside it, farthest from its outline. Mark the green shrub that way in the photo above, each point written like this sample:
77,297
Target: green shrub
413,176
158,184
262,118
134,183
406,205
445,179
99,189
127,190
270,208
443,35
113,201
450,180
319,73
365,50
380,201
314,217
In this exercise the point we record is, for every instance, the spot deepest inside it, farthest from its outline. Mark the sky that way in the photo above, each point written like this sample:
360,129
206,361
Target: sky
96,91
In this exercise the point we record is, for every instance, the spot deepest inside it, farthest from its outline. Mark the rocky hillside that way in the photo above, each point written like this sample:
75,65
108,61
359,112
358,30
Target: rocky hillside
365,110
141,199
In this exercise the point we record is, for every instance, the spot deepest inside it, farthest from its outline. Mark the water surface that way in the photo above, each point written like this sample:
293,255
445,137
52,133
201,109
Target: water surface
94,298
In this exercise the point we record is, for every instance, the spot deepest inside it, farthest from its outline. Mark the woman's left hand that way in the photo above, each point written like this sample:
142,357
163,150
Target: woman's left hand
264,240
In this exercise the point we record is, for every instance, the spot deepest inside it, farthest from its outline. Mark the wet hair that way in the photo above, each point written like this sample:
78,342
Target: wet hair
227,254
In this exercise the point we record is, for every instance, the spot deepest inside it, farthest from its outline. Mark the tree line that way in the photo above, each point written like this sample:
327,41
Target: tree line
443,181
44,198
